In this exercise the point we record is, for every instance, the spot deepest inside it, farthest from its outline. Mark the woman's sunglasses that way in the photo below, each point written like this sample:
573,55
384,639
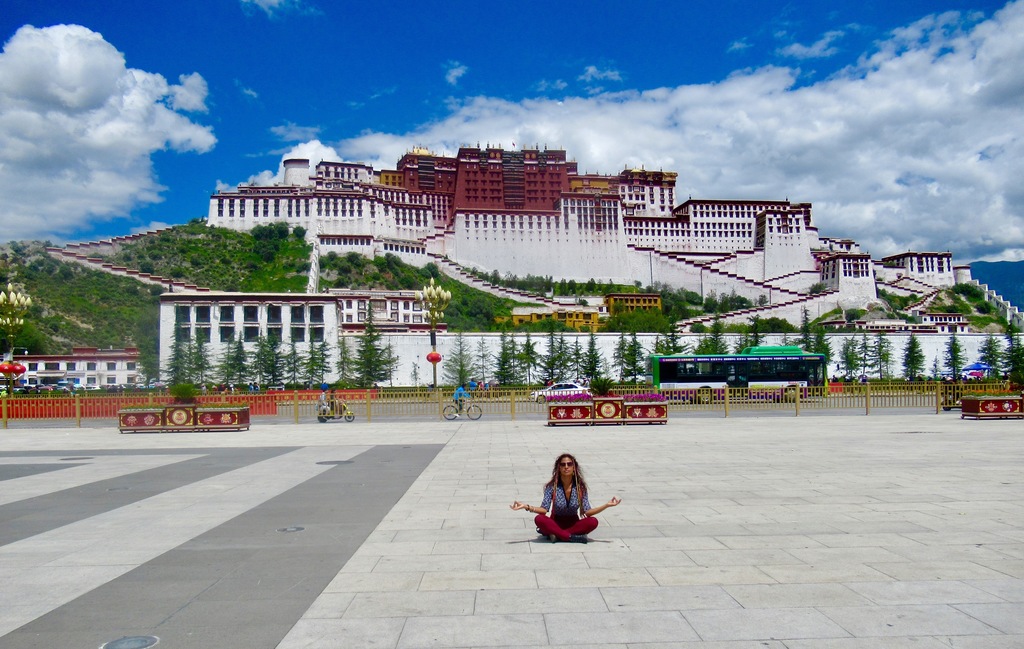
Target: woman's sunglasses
565,464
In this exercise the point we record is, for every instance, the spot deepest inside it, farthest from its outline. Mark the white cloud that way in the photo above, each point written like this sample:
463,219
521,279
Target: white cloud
454,72
544,85
290,132
821,49
593,73
918,146
314,151
273,8
78,128
739,46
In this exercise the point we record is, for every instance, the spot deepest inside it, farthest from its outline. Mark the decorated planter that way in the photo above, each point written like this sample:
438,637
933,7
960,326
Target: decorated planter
222,418
177,418
578,413
646,412
140,420
991,407
608,410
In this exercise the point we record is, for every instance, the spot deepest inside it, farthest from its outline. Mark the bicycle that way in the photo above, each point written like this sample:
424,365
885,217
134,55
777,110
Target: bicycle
453,410
325,412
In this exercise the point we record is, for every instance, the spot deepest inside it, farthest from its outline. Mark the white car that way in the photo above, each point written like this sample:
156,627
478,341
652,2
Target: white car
540,396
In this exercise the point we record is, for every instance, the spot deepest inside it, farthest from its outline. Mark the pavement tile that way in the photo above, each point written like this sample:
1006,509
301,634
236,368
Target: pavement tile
1008,617
565,629
479,579
545,600
818,574
949,571
921,592
1010,590
794,595
763,624
472,631
598,577
676,576
412,604
371,633
874,621
667,598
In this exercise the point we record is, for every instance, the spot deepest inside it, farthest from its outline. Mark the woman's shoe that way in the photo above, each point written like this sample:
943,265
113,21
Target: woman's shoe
552,538
578,538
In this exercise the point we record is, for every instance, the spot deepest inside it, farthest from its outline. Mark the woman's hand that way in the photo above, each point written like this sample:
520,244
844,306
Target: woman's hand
614,501
518,505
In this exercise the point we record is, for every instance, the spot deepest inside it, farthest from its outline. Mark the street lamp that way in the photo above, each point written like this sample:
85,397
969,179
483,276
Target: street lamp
13,306
434,300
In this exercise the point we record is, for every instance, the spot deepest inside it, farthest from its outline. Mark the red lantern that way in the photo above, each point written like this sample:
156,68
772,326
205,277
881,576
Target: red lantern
18,370
434,357
6,368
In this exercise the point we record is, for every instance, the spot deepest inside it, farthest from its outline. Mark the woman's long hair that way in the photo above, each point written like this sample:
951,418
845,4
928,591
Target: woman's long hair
577,478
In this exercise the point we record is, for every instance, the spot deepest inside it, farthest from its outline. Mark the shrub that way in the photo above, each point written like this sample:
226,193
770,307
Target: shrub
183,392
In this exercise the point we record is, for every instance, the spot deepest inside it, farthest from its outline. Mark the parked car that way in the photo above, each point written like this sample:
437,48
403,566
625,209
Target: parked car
275,388
540,396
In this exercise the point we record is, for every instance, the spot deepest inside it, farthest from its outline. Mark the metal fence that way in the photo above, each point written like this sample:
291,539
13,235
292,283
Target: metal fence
512,403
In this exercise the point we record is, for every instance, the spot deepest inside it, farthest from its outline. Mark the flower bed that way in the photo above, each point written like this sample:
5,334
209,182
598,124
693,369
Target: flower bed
177,418
570,412
991,407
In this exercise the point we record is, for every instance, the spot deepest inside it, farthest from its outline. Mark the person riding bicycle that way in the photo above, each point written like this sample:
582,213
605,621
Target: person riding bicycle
460,397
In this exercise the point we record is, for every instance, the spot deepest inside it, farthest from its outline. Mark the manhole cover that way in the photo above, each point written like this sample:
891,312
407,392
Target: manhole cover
288,530
334,462
73,459
132,642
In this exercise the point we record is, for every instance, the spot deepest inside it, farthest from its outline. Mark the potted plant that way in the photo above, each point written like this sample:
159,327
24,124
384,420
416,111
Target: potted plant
645,408
992,405
576,409
607,405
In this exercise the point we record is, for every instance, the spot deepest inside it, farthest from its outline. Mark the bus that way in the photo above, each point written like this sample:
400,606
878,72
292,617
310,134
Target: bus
766,370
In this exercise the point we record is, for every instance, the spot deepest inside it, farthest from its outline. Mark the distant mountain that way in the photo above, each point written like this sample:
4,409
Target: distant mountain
1003,277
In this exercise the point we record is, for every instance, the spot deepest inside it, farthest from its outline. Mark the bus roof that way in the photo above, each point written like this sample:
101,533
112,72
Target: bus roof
775,350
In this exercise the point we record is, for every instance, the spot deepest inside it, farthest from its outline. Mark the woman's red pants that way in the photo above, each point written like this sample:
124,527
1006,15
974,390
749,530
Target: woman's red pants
564,526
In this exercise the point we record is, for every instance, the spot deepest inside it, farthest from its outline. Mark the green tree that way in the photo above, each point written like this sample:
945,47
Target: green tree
866,352
234,365
849,358
505,364
267,360
199,362
913,359
370,365
714,342
317,363
179,368
1014,355
291,363
634,361
881,355
346,364
954,356
992,354
805,340
593,361
528,357
458,367
481,361
820,345
619,358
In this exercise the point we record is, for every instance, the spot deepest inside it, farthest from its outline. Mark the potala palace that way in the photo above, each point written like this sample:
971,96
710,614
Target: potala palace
530,211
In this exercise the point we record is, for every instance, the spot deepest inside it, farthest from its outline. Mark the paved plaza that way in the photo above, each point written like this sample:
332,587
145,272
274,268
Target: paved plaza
749,532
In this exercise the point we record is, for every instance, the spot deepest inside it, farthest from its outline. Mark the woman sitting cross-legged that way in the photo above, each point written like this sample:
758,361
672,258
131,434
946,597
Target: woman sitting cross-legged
565,513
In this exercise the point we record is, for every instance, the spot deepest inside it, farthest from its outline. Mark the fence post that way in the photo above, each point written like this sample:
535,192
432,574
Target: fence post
797,401
440,405
295,404
369,412
78,409
5,398
512,403
867,398
938,397
727,401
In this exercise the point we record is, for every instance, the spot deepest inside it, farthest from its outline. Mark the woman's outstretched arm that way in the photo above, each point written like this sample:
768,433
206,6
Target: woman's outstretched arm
600,508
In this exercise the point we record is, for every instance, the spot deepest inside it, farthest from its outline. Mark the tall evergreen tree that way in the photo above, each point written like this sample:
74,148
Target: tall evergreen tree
234,365
458,367
1014,355
992,354
593,361
505,365
821,345
346,364
576,360
528,357
179,369
317,363
267,360
291,362
954,356
867,358
913,359
635,360
881,355
805,340
714,342
619,358
199,362
370,365
849,358
481,361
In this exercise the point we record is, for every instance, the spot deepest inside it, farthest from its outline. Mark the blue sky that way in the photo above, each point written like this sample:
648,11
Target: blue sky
900,121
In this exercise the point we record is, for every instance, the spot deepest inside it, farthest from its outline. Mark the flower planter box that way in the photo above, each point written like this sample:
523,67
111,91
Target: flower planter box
579,413
608,410
1008,407
649,412
180,418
